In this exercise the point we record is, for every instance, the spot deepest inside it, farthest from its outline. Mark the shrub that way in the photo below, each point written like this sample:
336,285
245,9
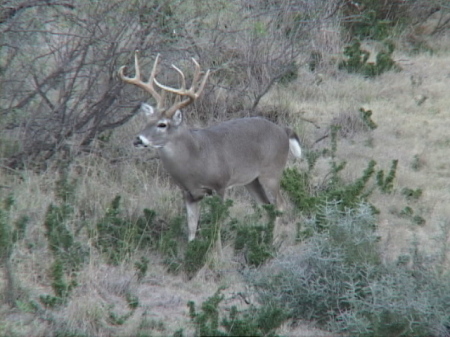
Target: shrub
68,253
10,233
375,19
340,282
251,322
357,60
256,240
118,236
311,201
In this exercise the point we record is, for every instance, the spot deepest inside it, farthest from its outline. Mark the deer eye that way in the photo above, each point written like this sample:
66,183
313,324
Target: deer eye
161,125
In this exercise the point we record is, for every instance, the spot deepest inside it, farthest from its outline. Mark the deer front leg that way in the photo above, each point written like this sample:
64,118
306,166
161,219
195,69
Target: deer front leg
193,213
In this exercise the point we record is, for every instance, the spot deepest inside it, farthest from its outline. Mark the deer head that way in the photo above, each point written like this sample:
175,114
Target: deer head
163,121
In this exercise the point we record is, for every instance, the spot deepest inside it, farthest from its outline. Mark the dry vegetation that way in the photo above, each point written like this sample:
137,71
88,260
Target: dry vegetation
93,140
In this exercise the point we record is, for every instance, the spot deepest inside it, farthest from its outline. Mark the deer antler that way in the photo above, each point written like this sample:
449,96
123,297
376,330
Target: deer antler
136,80
191,94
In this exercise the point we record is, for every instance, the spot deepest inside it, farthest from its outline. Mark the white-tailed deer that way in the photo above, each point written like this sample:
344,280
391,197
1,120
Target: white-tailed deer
246,151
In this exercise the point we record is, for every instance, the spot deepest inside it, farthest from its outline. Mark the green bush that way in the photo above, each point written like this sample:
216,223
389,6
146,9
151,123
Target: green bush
68,252
339,281
255,240
347,195
251,322
375,19
356,60
10,233
119,236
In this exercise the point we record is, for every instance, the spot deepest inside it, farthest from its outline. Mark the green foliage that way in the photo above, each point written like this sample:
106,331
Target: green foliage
65,189
357,60
409,213
289,74
207,321
256,240
315,58
5,236
252,238
10,231
411,194
366,117
387,184
416,163
340,282
61,239
69,253
132,300
116,319
374,19
141,267
51,301
59,284
311,201
118,236
195,256
296,183
216,211
120,319
169,242
252,322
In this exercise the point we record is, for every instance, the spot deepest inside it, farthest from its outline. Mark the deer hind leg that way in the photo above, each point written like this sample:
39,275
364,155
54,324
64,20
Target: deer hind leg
257,191
271,187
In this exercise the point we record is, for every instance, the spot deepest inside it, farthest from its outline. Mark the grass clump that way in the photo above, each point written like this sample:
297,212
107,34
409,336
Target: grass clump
10,233
255,240
251,322
340,282
119,236
357,60
68,252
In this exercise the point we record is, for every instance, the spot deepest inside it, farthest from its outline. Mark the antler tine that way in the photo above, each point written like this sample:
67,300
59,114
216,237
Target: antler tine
136,80
183,79
190,93
196,72
202,85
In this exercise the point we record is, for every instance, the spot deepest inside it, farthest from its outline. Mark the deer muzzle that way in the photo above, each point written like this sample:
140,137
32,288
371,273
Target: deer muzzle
141,142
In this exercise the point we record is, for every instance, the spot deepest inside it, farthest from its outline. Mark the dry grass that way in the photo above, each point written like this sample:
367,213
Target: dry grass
412,131
411,110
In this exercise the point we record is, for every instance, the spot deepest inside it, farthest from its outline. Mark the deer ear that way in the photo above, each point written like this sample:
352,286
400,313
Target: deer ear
147,109
177,118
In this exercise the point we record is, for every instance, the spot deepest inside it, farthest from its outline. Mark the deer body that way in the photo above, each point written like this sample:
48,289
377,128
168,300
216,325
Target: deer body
246,151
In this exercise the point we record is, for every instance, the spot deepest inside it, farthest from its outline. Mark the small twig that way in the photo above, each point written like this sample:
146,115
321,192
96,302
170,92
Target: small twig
322,138
310,121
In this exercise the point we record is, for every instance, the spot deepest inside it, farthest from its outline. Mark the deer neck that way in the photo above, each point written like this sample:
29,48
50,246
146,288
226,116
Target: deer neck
182,145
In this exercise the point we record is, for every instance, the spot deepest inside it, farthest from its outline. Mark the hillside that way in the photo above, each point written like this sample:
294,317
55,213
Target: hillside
93,235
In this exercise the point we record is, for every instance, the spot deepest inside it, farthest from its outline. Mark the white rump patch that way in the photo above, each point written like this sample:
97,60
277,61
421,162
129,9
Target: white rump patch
295,147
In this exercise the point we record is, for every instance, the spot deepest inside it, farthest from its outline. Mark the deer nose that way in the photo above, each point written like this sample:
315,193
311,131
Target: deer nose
138,142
